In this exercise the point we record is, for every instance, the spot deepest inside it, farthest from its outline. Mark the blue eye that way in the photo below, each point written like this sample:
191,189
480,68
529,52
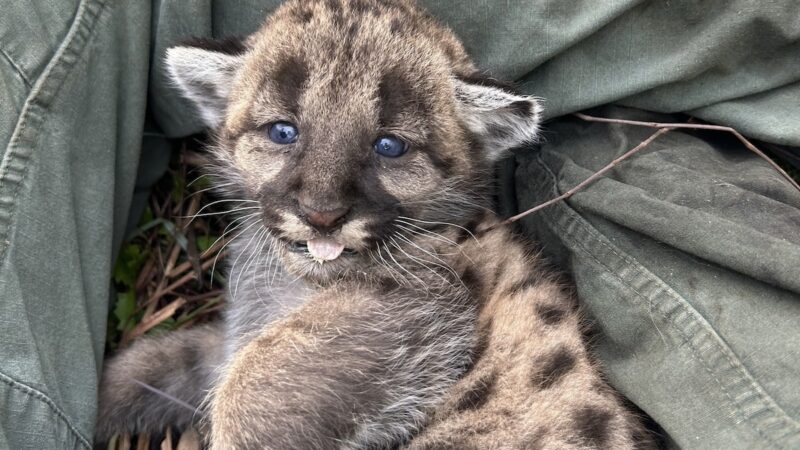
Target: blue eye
283,133
390,146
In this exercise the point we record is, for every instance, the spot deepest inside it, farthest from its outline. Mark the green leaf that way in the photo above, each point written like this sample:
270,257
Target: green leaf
129,263
205,242
125,308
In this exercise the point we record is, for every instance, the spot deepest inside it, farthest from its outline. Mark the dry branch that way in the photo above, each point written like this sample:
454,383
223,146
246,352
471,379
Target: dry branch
697,126
663,128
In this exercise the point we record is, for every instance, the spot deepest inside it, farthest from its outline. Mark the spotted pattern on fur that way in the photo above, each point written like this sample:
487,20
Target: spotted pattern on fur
437,329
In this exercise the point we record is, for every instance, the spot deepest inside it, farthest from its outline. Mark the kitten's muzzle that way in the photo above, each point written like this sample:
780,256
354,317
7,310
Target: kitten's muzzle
324,221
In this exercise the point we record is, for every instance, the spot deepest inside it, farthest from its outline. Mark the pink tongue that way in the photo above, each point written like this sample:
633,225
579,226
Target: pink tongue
324,249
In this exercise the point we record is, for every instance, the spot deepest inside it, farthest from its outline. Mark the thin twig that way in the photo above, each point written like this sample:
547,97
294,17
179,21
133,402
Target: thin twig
211,252
181,281
592,178
696,126
156,318
662,129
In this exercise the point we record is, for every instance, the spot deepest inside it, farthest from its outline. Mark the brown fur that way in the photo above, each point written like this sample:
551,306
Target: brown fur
436,329
534,385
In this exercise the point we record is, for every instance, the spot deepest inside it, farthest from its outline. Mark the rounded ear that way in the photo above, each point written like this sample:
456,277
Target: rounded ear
203,70
500,118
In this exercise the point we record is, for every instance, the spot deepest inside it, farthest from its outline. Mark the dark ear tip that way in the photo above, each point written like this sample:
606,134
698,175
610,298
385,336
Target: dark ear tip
232,45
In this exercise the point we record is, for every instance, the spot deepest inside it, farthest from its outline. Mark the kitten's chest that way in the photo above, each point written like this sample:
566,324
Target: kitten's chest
258,296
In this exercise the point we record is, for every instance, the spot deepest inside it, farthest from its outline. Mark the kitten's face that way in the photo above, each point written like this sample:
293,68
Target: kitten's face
353,125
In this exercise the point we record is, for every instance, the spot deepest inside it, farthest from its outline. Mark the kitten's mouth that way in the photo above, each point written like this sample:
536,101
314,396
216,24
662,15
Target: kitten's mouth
320,249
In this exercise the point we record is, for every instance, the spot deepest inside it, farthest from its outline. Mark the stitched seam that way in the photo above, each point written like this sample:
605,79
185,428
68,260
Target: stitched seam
41,396
686,340
15,164
754,388
644,272
14,156
16,68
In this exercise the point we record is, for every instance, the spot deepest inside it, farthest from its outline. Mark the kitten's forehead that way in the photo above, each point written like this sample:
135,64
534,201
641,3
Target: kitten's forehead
355,30
348,51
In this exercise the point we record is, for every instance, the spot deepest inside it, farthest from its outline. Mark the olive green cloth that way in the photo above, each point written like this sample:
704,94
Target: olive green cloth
686,257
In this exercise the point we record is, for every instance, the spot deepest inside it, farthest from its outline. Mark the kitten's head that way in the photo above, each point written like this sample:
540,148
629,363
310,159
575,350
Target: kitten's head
350,121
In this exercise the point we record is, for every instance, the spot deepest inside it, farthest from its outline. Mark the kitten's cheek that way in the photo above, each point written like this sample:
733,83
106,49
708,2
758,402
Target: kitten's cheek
257,164
292,226
354,234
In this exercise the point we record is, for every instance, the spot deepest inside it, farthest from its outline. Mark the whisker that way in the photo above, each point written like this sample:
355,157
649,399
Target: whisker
225,200
439,223
424,232
251,254
231,211
391,270
243,220
169,397
403,268
421,262
214,264
443,264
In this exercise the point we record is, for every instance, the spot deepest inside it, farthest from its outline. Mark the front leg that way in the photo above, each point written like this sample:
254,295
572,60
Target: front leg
354,368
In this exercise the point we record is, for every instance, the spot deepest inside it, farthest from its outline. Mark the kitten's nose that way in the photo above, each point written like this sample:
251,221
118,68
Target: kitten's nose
323,220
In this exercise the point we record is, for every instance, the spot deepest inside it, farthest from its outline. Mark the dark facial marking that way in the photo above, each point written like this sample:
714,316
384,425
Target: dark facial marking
233,45
551,368
290,79
393,92
591,424
551,314
477,395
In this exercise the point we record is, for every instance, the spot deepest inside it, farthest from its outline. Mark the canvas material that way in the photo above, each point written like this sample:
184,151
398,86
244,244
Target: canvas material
684,258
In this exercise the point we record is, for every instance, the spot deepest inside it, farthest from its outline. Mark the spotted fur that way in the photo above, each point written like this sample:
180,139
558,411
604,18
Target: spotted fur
436,329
